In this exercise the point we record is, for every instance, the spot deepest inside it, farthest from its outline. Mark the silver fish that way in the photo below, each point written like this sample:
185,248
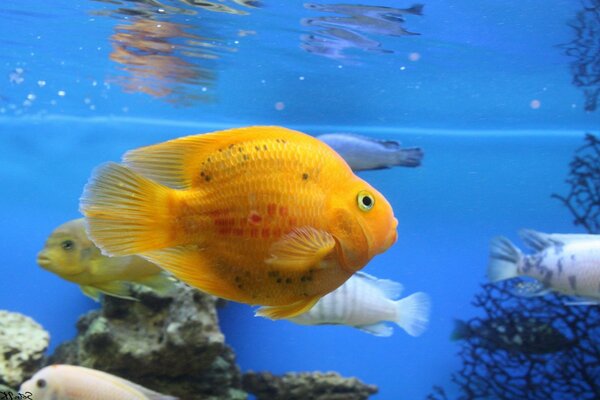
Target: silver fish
366,302
363,153
569,264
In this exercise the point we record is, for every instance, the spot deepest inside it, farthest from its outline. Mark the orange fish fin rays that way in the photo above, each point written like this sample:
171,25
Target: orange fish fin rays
177,163
302,248
125,212
287,311
189,264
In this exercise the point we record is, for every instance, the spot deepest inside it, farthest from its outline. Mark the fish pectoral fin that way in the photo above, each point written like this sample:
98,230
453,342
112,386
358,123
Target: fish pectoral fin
120,289
90,292
162,283
287,311
190,264
302,248
379,329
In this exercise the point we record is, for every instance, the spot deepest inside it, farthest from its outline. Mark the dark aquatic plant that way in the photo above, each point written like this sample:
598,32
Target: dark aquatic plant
583,199
500,369
585,49
515,372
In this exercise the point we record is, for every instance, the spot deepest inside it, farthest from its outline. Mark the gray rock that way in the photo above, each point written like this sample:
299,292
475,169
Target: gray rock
306,385
171,344
23,343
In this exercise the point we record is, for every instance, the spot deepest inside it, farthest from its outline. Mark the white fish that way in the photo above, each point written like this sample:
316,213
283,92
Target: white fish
70,382
569,264
363,153
366,302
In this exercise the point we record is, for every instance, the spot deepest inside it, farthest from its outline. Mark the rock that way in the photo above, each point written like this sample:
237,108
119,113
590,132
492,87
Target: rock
171,344
23,343
301,386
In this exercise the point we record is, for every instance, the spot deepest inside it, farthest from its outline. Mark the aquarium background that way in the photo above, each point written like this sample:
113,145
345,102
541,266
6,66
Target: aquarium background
499,96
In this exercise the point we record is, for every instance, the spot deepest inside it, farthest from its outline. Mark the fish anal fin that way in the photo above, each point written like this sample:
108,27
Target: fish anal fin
287,311
380,329
300,249
191,265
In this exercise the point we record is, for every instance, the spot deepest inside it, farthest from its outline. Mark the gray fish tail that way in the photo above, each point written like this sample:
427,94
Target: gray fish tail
504,261
409,157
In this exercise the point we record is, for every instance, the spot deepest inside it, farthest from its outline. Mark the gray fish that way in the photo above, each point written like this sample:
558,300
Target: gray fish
515,334
569,264
363,153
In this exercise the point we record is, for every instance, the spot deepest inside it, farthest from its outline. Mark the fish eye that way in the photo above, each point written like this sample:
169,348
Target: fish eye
366,201
41,383
67,245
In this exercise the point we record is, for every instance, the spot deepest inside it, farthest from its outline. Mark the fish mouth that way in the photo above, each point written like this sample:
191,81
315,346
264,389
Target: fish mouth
43,260
393,236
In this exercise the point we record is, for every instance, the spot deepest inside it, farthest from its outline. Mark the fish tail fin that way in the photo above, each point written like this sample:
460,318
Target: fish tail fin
461,330
412,313
125,212
409,157
504,262
416,9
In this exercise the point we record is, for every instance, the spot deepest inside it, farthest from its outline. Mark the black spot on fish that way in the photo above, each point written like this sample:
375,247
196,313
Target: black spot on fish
246,157
560,265
304,176
207,178
257,148
264,147
548,277
573,282
240,149
273,274
208,159
231,146
279,280
238,279
201,173
239,286
288,280
303,279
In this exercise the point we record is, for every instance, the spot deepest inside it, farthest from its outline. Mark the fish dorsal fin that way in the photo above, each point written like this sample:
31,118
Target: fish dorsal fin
391,290
536,240
177,163
302,248
540,241
287,311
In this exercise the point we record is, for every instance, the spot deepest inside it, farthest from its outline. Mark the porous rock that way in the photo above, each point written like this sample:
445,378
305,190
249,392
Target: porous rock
306,385
23,343
170,343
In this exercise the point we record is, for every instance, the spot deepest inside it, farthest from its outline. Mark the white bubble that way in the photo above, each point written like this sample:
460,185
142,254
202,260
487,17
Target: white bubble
94,83
31,96
204,89
125,109
2,110
41,83
62,93
280,105
340,66
414,56
160,10
535,104
402,68
263,81
301,78
53,102
158,25
87,100
92,107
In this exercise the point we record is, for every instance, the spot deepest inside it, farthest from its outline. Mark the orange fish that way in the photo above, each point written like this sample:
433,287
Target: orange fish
259,215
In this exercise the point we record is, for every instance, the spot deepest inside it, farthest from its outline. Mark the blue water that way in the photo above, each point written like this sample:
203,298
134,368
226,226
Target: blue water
488,95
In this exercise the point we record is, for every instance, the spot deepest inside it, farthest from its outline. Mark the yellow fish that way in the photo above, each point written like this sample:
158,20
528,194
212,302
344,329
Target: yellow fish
70,254
70,382
260,215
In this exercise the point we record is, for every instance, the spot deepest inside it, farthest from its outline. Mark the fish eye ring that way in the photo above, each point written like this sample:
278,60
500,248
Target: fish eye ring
365,200
67,245
41,383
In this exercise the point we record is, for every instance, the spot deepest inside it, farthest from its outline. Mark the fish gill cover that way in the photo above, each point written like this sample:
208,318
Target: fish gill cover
539,347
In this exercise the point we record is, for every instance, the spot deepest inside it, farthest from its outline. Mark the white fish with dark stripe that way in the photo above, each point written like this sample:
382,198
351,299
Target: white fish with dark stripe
366,302
364,153
566,263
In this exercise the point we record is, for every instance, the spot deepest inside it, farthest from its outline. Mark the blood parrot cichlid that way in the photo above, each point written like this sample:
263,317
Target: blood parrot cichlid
260,215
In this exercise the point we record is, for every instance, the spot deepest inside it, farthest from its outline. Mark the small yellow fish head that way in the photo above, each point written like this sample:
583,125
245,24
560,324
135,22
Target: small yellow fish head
363,223
67,250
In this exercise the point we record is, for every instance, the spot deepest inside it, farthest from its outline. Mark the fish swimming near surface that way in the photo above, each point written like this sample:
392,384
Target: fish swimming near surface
363,153
569,264
70,254
70,382
259,215
366,302
516,334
